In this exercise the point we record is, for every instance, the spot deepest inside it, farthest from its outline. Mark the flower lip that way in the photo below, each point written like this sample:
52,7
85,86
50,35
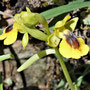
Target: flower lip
72,40
9,28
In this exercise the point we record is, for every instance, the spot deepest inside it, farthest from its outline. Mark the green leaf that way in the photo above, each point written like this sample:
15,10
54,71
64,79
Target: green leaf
61,84
35,57
7,56
65,8
59,2
1,85
79,81
25,40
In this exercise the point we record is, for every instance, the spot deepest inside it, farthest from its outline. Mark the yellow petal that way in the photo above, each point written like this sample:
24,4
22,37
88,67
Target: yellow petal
18,27
67,18
76,54
62,22
59,24
84,49
11,37
69,52
81,41
3,35
81,51
65,49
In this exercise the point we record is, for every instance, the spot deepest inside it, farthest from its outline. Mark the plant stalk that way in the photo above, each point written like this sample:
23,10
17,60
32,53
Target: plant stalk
65,71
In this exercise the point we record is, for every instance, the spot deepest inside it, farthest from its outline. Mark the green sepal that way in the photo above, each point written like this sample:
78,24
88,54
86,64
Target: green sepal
17,18
28,10
71,24
36,33
34,58
53,40
43,21
25,40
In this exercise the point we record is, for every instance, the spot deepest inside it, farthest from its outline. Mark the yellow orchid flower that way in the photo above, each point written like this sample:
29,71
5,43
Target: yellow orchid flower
64,24
72,47
9,34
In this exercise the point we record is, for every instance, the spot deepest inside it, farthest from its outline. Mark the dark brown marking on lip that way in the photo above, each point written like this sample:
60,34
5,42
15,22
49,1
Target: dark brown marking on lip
73,42
9,28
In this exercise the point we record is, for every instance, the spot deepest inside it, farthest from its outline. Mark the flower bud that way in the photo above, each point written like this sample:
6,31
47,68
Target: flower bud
28,19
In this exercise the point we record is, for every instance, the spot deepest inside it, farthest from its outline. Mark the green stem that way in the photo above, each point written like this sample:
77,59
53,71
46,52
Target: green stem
65,71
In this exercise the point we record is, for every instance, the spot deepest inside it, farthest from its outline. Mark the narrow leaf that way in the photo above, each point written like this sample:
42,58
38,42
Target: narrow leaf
35,57
25,40
61,84
79,81
3,57
65,8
